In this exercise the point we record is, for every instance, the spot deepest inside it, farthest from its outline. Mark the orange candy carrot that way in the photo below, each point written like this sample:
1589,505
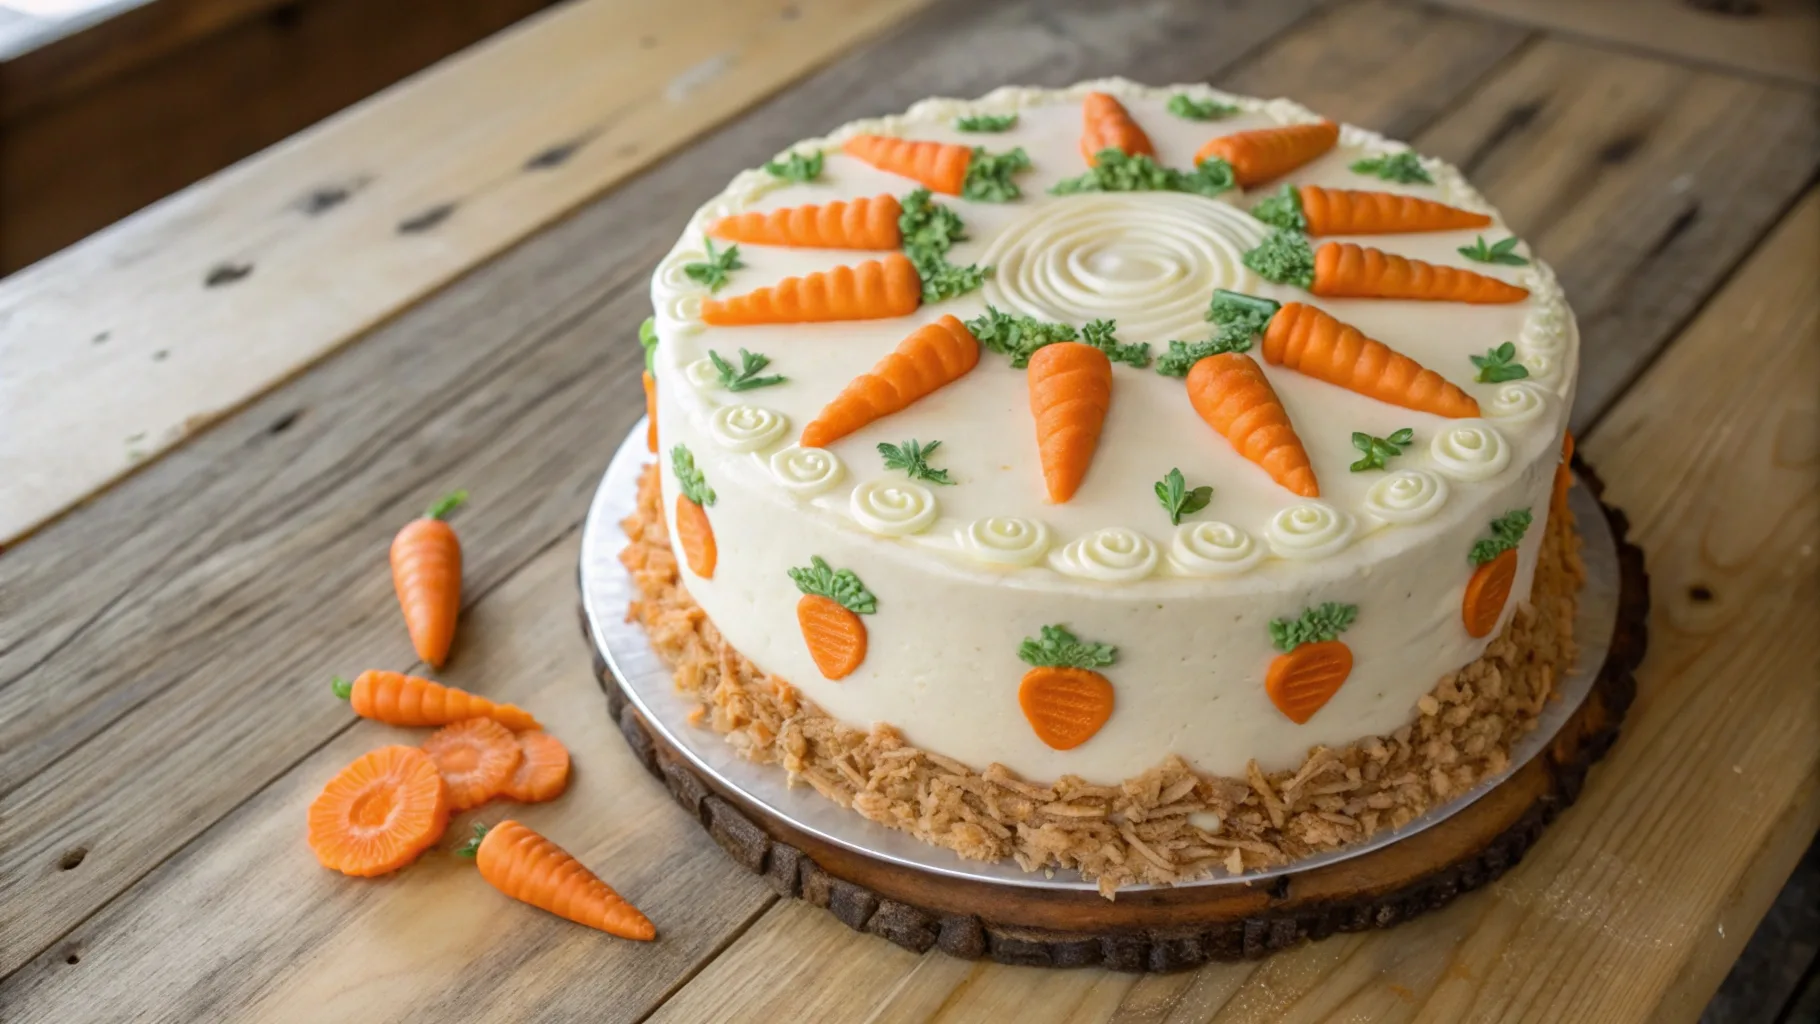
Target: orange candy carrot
1308,340
543,769
940,165
397,699
694,534
476,757
873,290
1105,124
1070,391
1344,211
1564,475
829,614
869,223
1231,393
380,813
1345,270
1314,663
426,573
1496,559
933,356
531,869
1063,696
650,412
1265,153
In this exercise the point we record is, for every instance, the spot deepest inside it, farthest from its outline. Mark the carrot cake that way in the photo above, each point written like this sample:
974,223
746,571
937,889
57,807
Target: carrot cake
1143,481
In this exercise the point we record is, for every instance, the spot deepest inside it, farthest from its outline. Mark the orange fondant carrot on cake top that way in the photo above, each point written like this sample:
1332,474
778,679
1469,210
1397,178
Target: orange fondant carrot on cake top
1314,663
873,290
1231,393
1341,211
1106,124
1070,392
1264,153
868,223
969,172
829,614
933,356
1345,270
1312,342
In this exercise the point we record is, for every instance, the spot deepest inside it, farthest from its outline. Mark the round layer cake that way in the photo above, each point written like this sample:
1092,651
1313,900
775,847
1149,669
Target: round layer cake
1117,425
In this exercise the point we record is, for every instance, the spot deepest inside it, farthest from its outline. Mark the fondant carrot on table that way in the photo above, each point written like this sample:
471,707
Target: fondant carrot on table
1264,153
967,171
873,290
867,223
1070,391
933,356
1345,270
531,869
1495,557
647,337
1231,393
348,836
829,614
397,699
543,769
1310,341
476,758
426,573
1063,697
693,531
1342,211
1106,124
1314,663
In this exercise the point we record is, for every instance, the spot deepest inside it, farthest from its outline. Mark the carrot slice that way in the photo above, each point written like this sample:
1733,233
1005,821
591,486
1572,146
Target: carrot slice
476,758
933,356
397,699
1308,340
650,412
1065,706
1262,154
1302,681
543,769
1487,592
940,165
1070,391
1345,270
873,290
1344,211
379,813
1231,393
1106,124
696,535
531,869
426,574
867,223
835,635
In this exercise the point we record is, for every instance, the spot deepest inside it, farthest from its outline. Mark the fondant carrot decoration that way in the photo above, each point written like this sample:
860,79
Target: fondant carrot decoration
1496,557
647,337
934,355
1314,663
829,613
531,869
380,813
543,769
953,170
1345,270
1310,341
693,531
1564,474
873,290
1231,393
868,223
1065,700
426,573
1265,153
1343,211
1105,124
476,757
1070,391
397,699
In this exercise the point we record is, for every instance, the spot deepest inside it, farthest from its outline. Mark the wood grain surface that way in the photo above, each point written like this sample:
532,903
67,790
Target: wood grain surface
163,647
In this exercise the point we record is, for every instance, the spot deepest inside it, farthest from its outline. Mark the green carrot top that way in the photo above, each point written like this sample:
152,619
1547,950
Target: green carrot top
647,337
838,585
1058,648
988,177
796,167
1506,533
1321,623
1114,170
446,504
1238,319
1282,210
1185,106
985,123
694,486
1405,168
1285,257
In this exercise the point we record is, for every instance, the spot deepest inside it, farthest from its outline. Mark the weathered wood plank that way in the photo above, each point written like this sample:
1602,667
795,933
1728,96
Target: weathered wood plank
246,565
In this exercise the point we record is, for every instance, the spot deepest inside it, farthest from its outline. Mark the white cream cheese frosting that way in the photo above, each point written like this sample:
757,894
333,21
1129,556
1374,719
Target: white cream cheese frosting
964,572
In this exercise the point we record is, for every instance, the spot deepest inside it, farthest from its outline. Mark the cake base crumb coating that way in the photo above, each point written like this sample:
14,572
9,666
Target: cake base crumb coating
1170,824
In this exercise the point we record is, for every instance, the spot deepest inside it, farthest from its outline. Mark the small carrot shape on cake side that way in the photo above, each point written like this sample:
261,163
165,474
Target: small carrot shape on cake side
543,769
1345,270
1309,341
1106,124
1495,572
533,870
476,757
380,813
426,573
397,699
865,223
829,613
1314,210
693,531
1064,697
1230,392
873,290
933,356
647,337
1264,153
1564,476
1070,392
1314,663
968,172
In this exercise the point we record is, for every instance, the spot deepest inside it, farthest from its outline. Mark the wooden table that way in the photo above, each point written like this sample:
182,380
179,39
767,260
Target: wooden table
213,416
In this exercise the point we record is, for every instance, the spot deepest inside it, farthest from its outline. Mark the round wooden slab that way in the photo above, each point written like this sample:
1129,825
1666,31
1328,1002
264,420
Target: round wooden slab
1171,929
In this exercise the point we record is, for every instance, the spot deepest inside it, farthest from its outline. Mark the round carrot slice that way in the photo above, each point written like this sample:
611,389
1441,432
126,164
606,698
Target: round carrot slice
380,813
476,759
543,769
